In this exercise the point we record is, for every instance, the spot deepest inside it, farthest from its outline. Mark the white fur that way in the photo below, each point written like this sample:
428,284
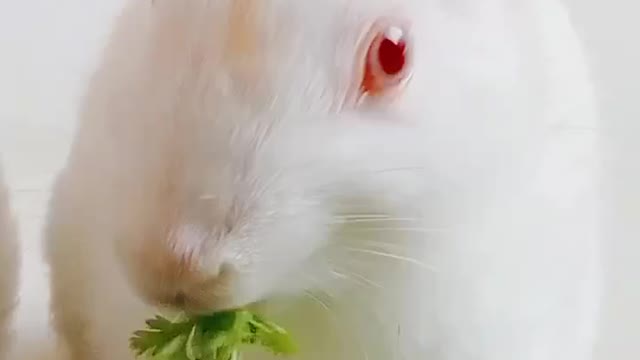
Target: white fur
457,223
9,266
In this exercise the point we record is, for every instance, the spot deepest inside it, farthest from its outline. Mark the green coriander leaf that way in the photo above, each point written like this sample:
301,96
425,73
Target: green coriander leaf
217,336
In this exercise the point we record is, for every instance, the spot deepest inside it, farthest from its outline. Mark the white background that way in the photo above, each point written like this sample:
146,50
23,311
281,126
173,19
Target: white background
611,32
47,47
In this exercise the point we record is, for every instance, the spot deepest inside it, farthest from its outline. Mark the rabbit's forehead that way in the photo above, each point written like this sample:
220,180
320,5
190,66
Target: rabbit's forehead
295,35
247,21
266,48
234,31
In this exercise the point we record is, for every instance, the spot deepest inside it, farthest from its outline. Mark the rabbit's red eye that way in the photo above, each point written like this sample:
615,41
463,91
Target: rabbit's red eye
387,60
392,56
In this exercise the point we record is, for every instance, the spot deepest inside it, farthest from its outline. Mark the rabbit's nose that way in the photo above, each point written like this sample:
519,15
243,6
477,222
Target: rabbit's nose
195,297
180,299
182,271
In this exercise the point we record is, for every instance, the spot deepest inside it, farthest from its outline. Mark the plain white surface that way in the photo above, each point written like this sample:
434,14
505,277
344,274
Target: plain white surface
45,54
610,31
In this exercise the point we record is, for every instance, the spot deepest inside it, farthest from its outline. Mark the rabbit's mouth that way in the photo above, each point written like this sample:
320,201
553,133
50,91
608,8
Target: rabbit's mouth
183,291
192,304
185,303
181,301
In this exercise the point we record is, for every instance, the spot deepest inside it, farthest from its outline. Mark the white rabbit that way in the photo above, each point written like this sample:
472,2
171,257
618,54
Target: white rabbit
408,179
9,270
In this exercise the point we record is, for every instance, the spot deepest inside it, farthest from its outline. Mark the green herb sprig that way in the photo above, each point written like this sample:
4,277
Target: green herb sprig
213,337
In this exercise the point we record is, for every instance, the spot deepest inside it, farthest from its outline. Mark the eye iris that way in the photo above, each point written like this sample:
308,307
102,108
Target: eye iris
392,56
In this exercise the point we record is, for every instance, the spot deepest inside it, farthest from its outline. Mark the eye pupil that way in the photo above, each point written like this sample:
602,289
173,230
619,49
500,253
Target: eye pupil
392,56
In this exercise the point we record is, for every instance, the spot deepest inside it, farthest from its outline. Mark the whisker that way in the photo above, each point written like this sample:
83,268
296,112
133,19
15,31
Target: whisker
392,256
363,216
404,229
320,302
354,276
334,319
356,220
315,299
376,244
